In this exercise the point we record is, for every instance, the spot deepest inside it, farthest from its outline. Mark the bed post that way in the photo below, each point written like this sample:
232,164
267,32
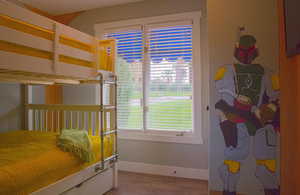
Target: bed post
23,104
115,175
115,168
57,32
102,119
25,101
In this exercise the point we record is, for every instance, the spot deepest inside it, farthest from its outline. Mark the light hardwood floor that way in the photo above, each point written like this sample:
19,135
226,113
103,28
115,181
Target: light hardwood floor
142,184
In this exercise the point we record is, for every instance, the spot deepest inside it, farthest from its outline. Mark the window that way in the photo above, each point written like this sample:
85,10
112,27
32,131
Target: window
169,82
130,77
155,64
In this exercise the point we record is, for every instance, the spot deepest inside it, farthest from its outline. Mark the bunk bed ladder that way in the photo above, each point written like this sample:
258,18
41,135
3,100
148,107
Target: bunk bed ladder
110,109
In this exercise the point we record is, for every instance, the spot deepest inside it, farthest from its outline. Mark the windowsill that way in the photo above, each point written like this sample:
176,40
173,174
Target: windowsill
171,137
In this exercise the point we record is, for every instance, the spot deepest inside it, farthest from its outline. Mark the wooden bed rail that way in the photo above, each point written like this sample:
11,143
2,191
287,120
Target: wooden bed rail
44,117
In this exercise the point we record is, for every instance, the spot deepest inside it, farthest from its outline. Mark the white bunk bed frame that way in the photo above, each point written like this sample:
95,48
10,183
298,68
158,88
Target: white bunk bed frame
47,49
38,50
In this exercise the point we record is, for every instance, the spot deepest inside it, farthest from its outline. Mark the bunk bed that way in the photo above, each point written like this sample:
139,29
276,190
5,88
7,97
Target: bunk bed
35,50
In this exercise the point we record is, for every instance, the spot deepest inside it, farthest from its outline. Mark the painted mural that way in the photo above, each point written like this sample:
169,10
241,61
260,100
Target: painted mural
248,112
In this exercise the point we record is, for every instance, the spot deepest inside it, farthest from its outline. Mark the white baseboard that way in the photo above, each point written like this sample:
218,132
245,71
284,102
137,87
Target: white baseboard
173,171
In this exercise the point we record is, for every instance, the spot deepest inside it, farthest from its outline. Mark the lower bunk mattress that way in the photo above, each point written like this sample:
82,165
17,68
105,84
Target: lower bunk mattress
30,160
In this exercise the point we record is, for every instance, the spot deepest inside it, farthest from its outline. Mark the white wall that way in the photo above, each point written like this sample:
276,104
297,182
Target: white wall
11,104
260,19
10,107
38,94
170,154
85,22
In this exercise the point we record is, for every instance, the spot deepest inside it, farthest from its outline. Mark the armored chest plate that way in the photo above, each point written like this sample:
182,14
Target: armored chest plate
249,81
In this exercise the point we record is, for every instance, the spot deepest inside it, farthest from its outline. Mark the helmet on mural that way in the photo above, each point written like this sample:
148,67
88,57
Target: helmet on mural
246,51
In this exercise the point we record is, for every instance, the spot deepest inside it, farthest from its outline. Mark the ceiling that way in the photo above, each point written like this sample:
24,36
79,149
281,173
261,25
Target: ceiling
57,7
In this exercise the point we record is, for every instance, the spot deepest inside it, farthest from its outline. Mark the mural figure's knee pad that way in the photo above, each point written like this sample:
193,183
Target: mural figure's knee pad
266,174
270,165
230,173
233,166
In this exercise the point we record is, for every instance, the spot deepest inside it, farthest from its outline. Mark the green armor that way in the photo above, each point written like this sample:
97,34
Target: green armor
249,81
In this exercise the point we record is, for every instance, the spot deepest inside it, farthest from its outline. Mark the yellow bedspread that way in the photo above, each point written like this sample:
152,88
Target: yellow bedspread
31,160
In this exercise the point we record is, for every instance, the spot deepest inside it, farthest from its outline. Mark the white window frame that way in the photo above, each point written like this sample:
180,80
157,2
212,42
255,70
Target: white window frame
195,136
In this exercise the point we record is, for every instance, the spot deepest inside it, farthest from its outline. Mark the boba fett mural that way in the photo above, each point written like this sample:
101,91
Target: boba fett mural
248,112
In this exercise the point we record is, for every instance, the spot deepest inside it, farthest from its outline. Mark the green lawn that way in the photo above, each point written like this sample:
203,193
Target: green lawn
138,95
173,115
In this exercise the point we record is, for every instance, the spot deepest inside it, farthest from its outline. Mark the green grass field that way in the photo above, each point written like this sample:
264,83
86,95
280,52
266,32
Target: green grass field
138,95
173,115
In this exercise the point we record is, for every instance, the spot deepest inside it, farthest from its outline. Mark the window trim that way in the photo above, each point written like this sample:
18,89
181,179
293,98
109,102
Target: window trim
195,136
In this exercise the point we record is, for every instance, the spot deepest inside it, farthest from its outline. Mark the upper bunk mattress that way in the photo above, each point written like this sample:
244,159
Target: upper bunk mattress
30,160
